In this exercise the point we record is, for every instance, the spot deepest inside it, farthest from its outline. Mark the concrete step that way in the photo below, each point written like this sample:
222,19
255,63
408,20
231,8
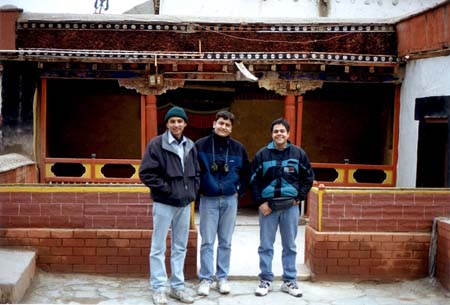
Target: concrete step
17,269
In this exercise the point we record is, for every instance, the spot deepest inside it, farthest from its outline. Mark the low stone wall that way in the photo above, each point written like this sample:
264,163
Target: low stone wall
88,229
376,234
443,254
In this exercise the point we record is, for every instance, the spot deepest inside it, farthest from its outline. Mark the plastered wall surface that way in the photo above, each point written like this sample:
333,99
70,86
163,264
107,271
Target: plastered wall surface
423,78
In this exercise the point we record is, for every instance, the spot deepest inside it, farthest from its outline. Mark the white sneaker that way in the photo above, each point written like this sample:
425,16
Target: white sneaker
203,287
263,288
181,295
159,298
224,286
292,288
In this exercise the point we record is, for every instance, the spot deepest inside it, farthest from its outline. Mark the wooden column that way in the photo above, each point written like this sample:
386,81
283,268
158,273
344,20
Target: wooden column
289,114
298,139
396,132
43,132
149,119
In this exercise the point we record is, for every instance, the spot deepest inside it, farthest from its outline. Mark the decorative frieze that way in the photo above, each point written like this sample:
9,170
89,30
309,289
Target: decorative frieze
199,27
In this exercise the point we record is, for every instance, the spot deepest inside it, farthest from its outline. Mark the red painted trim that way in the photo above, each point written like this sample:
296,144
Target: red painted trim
43,133
289,114
298,140
395,133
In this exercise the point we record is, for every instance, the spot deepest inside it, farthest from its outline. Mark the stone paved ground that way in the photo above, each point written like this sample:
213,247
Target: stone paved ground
50,288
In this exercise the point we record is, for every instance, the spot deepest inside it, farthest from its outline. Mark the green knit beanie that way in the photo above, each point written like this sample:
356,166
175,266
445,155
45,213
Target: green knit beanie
176,111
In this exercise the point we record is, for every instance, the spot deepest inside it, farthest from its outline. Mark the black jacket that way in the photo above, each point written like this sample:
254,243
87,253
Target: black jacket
161,170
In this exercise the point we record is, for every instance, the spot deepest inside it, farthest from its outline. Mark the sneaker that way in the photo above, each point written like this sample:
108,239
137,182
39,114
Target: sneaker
224,286
159,298
291,288
181,295
263,288
203,287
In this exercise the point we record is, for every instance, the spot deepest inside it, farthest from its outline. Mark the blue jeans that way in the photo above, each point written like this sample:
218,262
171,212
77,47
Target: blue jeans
287,220
217,218
178,218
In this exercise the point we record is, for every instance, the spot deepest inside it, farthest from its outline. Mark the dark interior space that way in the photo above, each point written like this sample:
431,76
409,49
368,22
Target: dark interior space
432,154
92,118
349,121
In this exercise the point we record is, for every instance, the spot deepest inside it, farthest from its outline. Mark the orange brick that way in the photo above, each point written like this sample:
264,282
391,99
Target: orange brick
84,268
107,234
62,234
118,260
348,245
369,262
96,242
85,234
326,245
107,251
52,242
130,234
39,233
326,261
339,237
136,243
147,234
138,260
369,245
106,269
16,233
118,243
72,259
381,237
72,242
338,270
49,259
61,268
84,251
422,238
337,253
95,260
61,251
359,270
402,237
348,262
393,246
129,269
381,254
359,254
129,252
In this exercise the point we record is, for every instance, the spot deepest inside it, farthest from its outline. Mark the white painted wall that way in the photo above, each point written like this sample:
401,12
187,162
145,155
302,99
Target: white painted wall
425,77
355,9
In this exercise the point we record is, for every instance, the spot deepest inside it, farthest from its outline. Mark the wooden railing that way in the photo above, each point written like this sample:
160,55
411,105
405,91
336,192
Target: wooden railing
71,170
354,174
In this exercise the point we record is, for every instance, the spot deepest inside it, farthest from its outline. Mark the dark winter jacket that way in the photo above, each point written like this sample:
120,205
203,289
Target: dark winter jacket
280,173
161,170
233,167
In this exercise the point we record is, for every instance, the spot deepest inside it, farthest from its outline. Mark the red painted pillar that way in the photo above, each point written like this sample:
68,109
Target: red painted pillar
290,115
149,119
298,139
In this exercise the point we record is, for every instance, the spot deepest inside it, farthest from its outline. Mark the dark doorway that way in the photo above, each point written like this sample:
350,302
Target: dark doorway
432,153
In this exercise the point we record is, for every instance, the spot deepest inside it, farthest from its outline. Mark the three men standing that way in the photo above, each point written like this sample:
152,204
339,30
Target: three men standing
282,177
225,171
217,167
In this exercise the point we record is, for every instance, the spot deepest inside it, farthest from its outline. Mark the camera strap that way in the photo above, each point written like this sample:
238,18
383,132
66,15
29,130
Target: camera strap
214,153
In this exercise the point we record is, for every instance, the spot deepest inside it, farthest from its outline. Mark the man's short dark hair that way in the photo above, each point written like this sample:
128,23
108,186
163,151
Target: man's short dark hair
226,115
281,121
